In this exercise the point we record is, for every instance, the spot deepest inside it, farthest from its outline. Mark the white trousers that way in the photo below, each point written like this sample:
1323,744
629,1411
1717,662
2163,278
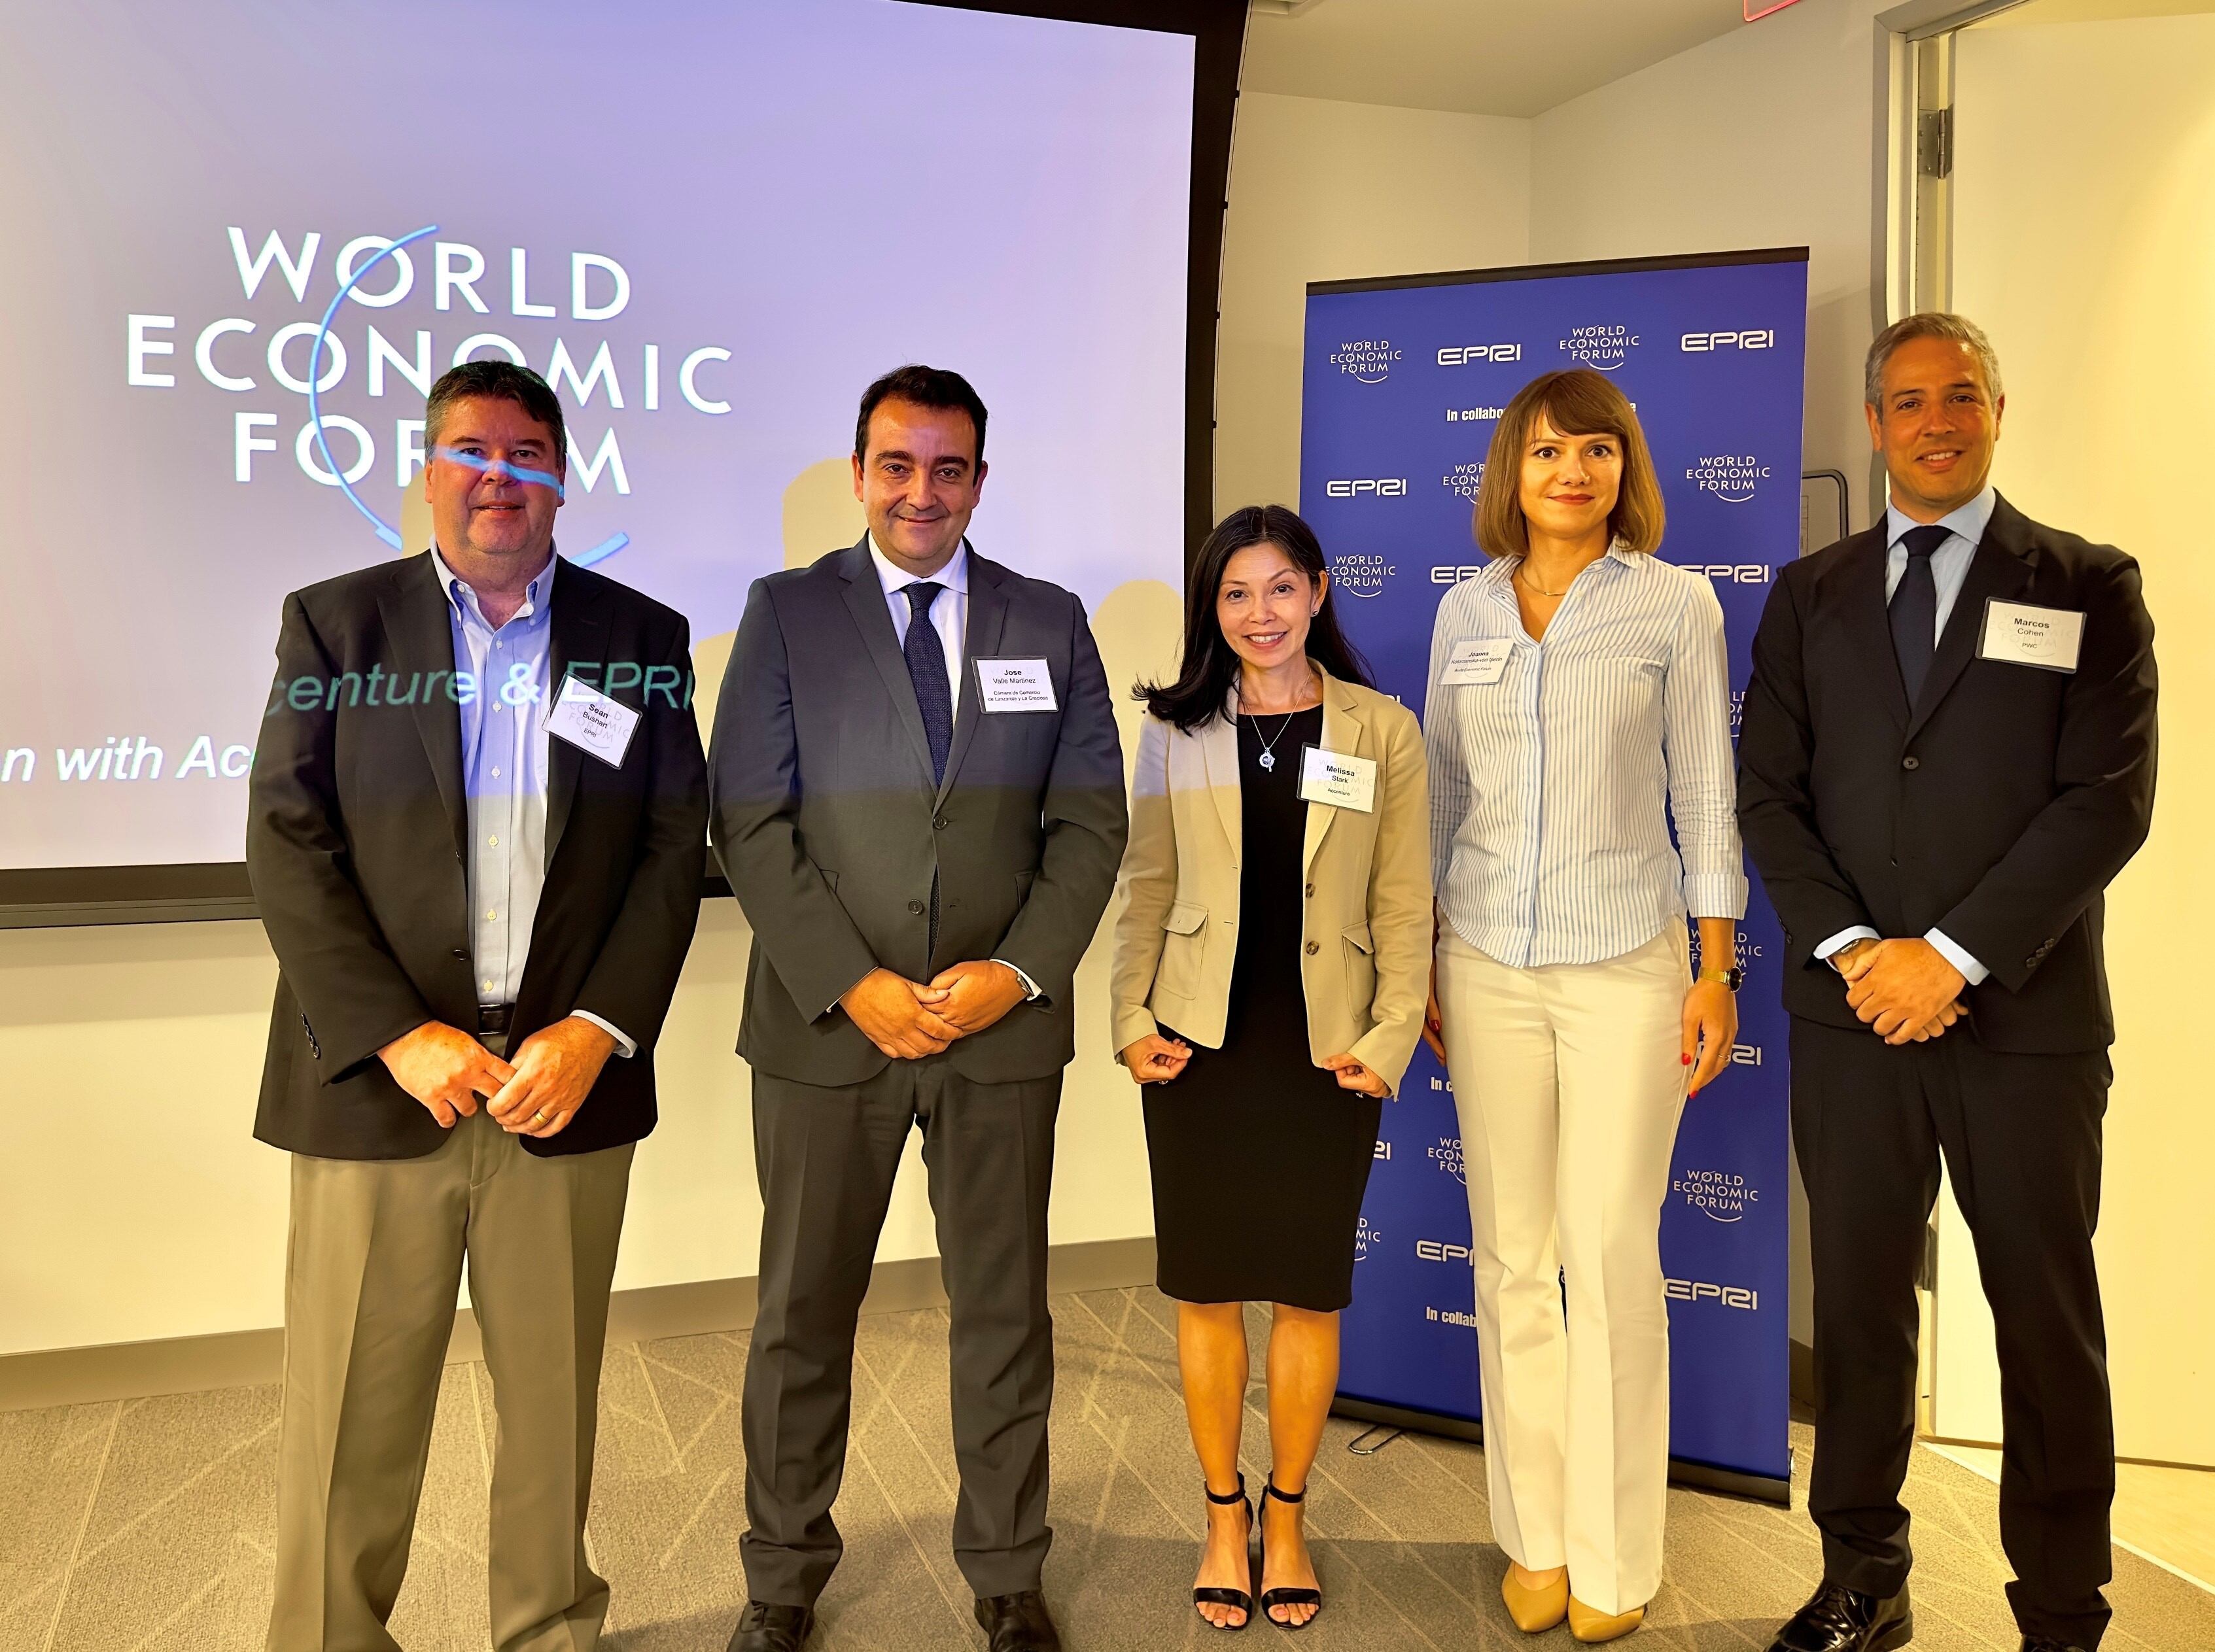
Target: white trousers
1570,1081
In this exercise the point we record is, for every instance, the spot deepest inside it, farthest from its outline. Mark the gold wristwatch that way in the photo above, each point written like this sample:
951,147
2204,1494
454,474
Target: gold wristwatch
1733,977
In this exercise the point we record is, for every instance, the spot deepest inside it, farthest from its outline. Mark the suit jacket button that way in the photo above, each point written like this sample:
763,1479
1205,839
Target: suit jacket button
461,955
1911,762
941,823
915,906
1313,949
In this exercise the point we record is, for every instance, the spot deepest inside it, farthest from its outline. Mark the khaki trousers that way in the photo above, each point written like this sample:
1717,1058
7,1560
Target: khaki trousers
1569,1083
372,1273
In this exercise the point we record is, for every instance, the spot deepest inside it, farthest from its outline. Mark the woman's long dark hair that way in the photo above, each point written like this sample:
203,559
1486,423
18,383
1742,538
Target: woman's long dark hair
1210,664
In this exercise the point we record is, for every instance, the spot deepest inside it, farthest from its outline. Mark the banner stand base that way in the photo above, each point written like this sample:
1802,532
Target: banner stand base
1704,1477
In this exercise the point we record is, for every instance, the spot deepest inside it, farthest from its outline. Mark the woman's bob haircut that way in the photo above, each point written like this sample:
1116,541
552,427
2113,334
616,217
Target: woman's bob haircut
1576,402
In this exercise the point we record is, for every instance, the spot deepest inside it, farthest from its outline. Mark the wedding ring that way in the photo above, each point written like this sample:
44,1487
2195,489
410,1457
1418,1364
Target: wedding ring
540,1115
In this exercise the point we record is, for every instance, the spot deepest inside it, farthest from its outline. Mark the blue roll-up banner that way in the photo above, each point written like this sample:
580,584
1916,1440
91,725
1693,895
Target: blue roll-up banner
1405,380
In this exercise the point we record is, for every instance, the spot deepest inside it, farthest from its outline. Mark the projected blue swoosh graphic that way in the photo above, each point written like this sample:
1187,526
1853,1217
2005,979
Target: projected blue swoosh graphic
385,531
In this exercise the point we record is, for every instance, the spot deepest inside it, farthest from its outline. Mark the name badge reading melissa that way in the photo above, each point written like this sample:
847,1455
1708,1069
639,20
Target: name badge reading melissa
2021,634
1336,778
1015,685
591,722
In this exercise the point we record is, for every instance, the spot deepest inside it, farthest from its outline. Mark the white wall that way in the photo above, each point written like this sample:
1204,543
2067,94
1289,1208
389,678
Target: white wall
1321,191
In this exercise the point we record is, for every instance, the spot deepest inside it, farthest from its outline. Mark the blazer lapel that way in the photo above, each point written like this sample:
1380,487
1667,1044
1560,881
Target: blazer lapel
865,601
1869,618
578,631
1218,753
1999,569
413,609
1342,730
988,617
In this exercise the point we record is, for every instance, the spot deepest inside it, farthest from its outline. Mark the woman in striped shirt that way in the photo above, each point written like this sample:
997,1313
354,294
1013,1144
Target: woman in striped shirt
1578,699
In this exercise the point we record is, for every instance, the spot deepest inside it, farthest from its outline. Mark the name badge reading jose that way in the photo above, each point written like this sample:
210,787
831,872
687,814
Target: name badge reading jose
1015,685
591,722
1336,778
2020,633
1476,661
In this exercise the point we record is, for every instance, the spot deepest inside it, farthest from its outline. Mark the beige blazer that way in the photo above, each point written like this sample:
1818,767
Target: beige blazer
1365,957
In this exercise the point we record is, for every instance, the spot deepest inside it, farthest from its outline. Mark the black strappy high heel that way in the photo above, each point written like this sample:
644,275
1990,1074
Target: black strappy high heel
1283,1597
1217,1597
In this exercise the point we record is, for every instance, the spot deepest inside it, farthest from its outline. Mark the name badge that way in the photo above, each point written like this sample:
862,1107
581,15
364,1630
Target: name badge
1015,685
1477,660
2022,634
591,722
1334,777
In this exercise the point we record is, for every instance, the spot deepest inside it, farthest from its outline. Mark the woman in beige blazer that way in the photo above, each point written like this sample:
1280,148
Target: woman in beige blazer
1271,959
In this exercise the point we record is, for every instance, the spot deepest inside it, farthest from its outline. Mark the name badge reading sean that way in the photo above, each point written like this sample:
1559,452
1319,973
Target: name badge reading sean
2022,634
1343,781
1476,661
1015,685
591,722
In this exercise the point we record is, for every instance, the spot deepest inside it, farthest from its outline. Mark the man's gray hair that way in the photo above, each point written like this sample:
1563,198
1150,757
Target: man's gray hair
1929,324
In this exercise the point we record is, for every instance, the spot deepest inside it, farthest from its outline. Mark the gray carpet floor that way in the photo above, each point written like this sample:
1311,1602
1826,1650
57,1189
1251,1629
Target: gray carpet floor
146,1526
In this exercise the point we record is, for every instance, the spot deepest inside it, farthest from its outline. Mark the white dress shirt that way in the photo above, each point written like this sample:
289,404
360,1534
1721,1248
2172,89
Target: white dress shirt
1552,787
949,612
1949,567
505,754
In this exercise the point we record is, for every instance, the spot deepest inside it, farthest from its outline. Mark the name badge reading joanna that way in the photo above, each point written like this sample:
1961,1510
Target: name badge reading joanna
591,722
2020,633
1334,777
1475,661
1015,685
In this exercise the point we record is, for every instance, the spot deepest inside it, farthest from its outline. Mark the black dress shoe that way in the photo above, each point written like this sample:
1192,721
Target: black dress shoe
2047,1643
771,1626
1840,1619
1017,1623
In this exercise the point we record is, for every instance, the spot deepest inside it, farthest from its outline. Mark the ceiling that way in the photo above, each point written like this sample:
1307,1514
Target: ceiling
1477,56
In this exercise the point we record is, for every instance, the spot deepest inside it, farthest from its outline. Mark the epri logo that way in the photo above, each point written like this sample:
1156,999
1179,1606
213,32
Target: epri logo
1365,361
1733,478
1718,1195
1605,345
1465,479
1699,1290
1446,1155
1756,338
1359,573
1364,1237
1366,488
1468,355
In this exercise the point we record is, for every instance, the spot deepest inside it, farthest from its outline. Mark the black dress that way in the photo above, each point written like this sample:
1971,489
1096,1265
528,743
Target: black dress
1260,1159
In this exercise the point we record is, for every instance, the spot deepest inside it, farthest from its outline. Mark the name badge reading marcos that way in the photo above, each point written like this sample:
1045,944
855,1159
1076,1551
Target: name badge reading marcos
1333,777
2021,634
591,722
1015,685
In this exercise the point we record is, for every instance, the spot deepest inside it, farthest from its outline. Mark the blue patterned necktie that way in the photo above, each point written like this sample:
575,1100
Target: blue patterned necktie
934,697
1915,609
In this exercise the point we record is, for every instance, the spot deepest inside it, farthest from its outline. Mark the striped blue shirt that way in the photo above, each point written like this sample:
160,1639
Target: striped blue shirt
1552,787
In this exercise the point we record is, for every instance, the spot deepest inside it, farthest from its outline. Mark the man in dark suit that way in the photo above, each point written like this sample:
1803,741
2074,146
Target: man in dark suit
477,836
918,792
1947,752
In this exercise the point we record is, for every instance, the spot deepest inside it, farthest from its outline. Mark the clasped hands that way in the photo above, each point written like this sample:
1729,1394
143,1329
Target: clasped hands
907,1020
1904,989
536,1094
1155,1060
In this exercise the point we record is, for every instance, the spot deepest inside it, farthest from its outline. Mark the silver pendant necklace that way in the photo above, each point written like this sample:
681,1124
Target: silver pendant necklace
1268,759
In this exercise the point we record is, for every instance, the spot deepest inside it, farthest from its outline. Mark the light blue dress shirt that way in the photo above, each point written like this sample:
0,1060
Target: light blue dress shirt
504,752
1949,567
1552,785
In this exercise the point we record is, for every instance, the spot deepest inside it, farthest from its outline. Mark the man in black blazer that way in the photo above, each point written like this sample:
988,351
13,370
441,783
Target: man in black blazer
478,837
1947,752
918,792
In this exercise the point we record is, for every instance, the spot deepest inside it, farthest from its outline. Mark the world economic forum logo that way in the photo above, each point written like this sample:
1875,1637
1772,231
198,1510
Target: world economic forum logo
1359,574
1733,477
1446,1155
1721,1196
1365,361
1605,345
1364,1237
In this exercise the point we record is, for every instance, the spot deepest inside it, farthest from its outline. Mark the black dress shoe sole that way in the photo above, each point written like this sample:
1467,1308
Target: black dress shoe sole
1898,1636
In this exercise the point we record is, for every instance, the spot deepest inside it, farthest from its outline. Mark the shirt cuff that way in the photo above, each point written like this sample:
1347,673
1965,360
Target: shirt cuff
1826,950
626,1046
1030,987
1972,971
1715,895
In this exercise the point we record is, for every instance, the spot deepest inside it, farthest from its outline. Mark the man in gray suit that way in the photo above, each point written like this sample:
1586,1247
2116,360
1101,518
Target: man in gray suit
918,792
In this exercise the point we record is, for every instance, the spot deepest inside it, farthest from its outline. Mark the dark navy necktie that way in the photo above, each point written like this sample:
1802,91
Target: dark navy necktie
1915,609
934,697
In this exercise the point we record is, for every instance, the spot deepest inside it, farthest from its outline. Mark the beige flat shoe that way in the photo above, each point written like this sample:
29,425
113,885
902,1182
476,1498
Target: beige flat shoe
1592,1627
1535,1610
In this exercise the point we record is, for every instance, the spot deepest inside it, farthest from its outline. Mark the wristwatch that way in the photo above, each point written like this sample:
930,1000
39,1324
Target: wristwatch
1733,977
